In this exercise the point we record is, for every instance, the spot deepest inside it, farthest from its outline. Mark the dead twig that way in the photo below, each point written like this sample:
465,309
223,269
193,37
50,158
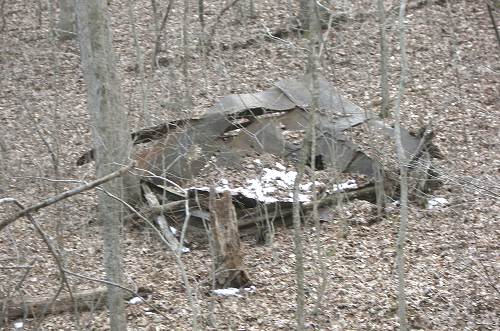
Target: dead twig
2,15
53,251
493,21
157,44
488,277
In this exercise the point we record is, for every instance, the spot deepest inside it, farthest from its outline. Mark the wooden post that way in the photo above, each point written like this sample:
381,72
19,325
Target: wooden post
226,238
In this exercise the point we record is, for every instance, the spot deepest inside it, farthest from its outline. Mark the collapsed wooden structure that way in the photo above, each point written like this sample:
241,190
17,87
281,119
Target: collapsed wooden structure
243,128
272,122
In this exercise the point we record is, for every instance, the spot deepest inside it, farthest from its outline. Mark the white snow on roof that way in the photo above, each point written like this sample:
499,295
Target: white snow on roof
264,189
280,166
350,184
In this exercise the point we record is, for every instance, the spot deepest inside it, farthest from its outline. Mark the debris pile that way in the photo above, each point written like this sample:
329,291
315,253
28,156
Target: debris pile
250,144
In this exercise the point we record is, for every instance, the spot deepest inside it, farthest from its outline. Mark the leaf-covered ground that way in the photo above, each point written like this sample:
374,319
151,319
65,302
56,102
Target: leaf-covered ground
452,251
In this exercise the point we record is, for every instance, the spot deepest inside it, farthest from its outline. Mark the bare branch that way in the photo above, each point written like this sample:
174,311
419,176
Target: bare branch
493,21
57,258
62,196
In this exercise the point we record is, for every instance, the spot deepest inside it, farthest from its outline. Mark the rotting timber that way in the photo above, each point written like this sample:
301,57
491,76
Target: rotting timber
246,125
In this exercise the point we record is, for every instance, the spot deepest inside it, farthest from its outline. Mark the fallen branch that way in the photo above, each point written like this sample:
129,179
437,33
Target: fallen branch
150,211
161,220
31,307
57,258
62,196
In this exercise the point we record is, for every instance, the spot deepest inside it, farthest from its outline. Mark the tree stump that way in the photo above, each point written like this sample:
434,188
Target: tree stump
226,242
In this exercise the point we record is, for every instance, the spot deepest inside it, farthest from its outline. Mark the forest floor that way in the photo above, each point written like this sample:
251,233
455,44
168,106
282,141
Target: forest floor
452,251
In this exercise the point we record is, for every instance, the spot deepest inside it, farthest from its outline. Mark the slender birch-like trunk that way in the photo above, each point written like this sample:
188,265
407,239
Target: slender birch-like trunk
384,83
403,220
111,139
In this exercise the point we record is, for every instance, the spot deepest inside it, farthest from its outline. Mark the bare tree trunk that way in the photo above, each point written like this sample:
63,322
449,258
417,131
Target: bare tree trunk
159,28
2,15
3,162
313,23
315,47
186,54
146,118
304,15
203,42
111,138
66,24
384,84
403,220
297,240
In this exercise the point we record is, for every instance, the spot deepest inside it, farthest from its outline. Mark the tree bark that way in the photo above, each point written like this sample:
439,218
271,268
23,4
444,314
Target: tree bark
304,14
224,230
384,82
111,139
66,25
403,167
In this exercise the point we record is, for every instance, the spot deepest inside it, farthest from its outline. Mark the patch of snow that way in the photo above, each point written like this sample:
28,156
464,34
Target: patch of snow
350,184
302,197
271,175
272,180
256,191
269,189
18,325
280,166
250,289
305,187
281,183
257,161
227,292
135,300
308,186
290,177
173,230
436,202
185,249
